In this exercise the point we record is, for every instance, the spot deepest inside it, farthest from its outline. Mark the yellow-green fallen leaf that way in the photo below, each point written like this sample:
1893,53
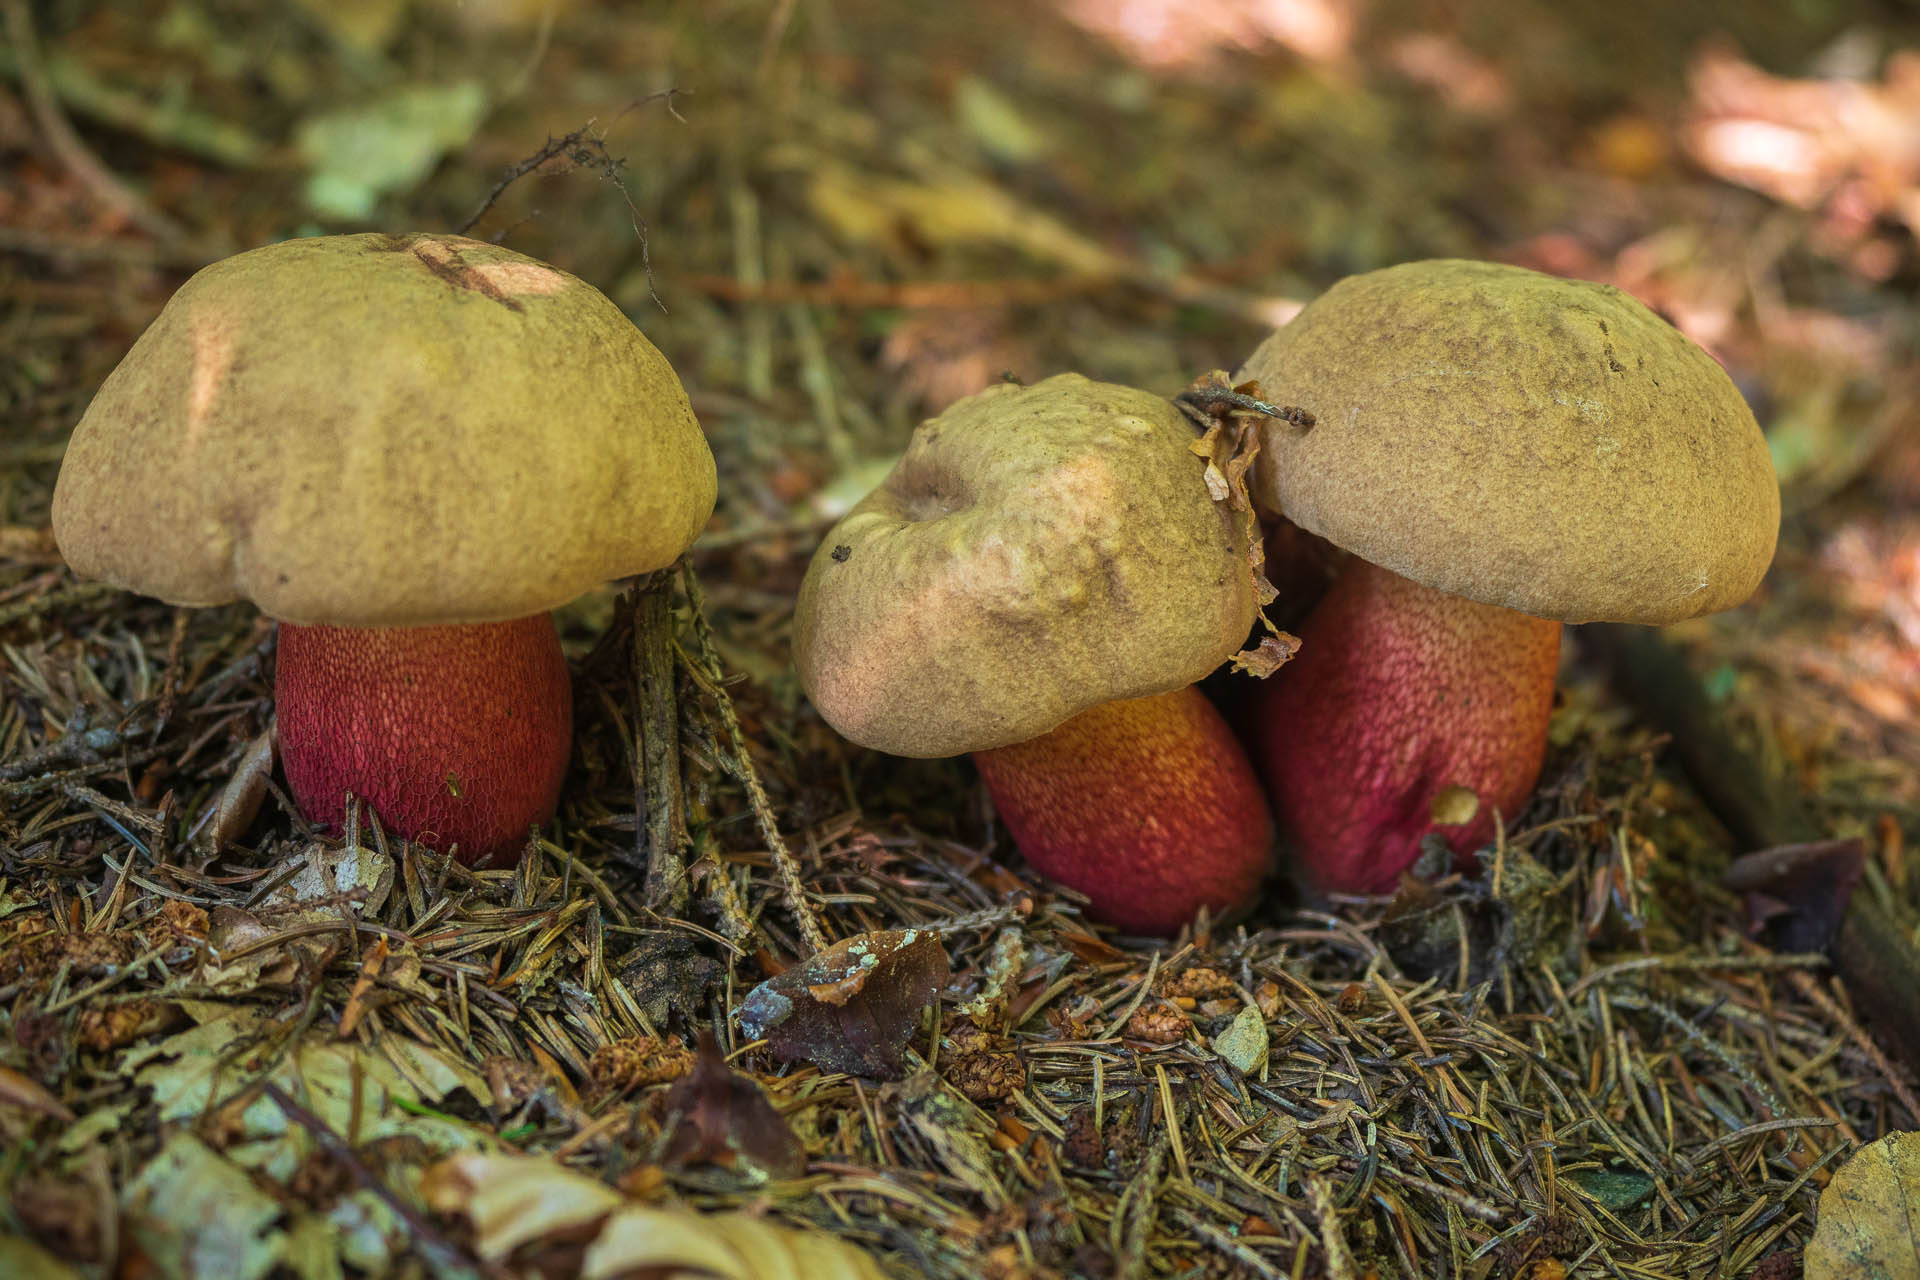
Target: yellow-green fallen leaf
515,1200
1869,1225
673,1243
519,1200
1244,1042
202,1217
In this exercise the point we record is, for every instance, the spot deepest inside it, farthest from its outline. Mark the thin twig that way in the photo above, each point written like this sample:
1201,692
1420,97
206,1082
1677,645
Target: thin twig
585,148
783,859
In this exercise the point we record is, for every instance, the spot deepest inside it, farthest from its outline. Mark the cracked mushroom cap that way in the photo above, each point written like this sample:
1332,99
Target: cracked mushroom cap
1546,445
380,430
1038,551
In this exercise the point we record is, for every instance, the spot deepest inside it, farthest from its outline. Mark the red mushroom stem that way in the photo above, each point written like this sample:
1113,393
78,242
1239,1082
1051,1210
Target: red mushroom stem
1400,693
454,735
1147,805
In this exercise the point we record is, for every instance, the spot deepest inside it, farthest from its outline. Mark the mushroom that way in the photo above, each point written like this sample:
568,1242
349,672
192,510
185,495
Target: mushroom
407,449
1501,451
1039,582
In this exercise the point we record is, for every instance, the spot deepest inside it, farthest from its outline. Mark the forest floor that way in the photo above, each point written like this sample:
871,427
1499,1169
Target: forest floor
232,1048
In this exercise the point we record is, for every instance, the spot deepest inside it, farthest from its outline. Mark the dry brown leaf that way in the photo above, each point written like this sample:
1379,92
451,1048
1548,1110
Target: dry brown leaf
1274,651
1797,894
1869,1227
1230,419
851,1007
722,1116
240,798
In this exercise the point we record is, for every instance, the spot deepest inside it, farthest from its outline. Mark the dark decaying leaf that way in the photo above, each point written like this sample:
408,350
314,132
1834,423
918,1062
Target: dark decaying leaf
717,1115
852,1006
1797,894
668,971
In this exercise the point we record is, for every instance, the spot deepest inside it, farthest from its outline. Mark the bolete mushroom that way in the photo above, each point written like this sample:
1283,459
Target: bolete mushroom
1039,582
407,449
1501,451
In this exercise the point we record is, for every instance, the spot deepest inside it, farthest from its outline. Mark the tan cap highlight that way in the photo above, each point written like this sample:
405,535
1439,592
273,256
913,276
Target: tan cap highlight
1546,445
1037,551
384,430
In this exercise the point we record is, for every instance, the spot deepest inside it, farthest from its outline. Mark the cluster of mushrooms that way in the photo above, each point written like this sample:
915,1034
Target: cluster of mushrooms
408,449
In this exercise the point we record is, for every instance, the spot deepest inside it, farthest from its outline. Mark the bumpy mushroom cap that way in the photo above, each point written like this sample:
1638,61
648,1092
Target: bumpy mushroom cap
1546,445
1037,551
380,430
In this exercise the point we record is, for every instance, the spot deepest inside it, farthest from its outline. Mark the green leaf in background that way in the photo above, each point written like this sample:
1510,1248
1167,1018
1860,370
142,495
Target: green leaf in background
361,153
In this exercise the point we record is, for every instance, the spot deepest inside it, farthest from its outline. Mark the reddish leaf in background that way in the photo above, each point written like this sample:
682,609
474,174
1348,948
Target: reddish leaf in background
1849,146
717,1115
1797,894
852,1006
1170,35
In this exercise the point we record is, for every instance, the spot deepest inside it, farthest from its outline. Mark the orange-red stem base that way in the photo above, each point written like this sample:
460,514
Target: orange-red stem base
1148,806
455,736
1398,693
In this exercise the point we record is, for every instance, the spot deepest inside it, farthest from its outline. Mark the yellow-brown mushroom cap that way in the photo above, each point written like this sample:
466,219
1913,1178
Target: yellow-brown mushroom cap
1546,445
380,430
1037,551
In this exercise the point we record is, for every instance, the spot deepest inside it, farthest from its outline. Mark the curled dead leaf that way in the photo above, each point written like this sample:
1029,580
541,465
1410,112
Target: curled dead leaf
672,1243
240,798
516,1200
852,1006
1230,419
1274,651
17,1090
